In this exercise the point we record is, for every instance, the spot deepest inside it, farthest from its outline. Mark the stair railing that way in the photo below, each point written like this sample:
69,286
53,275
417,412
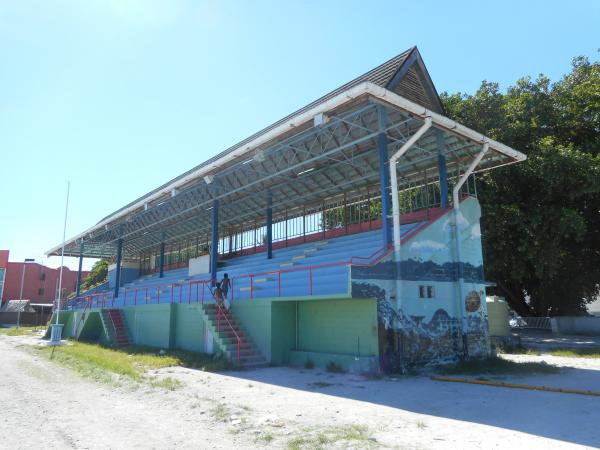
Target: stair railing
81,320
220,313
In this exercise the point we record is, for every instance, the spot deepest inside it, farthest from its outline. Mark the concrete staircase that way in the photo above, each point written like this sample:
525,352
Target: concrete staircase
114,324
226,333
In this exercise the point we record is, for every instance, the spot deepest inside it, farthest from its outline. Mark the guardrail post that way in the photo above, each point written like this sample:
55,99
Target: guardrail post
279,283
251,287
310,275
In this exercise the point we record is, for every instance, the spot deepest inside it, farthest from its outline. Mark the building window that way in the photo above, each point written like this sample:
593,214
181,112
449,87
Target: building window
41,291
426,291
43,276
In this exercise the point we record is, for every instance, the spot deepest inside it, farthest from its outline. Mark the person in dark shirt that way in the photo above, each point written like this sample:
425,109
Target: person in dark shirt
225,284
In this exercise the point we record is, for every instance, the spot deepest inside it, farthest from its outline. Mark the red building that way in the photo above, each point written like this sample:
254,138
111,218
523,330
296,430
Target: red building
40,283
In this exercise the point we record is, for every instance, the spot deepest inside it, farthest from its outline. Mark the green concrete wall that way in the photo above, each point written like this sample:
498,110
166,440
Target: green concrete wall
149,325
349,363
338,326
189,328
255,318
283,331
92,328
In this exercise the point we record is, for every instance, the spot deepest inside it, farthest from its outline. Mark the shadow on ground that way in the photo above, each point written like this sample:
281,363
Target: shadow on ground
564,417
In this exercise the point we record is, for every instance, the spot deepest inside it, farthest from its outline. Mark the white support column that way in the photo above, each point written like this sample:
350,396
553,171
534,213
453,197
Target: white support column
394,182
456,211
396,202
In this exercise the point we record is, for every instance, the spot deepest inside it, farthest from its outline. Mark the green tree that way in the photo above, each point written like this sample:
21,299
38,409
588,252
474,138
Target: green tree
541,218
97,275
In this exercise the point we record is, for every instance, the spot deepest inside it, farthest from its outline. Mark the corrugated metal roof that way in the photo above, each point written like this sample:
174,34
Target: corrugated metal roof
380,75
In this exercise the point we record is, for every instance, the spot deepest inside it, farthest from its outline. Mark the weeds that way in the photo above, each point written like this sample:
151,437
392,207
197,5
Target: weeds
21,331
220,412
267,438
309,364
576,352
321,384
168,383
130,363
334,368
352,434
495,366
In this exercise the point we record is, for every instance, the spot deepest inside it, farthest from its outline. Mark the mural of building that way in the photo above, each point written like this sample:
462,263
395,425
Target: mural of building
349,232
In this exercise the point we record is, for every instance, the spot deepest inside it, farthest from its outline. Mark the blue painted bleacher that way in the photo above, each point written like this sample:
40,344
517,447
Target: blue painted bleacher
287,274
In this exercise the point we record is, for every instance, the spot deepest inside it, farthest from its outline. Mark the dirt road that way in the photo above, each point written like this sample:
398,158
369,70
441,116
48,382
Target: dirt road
42,405
45,406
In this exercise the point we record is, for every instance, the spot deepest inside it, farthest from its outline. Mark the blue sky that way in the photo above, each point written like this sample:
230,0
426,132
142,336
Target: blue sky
121,96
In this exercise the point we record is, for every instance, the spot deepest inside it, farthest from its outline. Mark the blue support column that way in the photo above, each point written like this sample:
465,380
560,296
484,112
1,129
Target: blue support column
442,169
269,227
384,177
79,269
161,260
214,247
118,267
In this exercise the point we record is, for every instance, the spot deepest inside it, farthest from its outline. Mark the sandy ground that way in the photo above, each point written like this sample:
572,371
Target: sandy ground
43,405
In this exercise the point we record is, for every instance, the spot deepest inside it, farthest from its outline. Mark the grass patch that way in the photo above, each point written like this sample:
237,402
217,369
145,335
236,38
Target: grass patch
495,366
267,438
168,383
576,352
351,435
107,364
320,384
14,331
334,368
220,412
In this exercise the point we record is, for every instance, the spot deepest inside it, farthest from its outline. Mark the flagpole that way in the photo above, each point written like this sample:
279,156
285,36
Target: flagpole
62,254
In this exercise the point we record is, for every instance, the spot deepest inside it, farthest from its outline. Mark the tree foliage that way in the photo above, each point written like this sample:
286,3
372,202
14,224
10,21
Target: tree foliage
97,275
541,218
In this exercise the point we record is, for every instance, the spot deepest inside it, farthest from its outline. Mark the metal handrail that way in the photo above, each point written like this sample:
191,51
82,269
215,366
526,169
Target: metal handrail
379,254
219,313
81,321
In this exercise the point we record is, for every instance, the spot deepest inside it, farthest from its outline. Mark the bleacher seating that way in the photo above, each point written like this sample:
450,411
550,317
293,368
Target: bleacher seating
317,268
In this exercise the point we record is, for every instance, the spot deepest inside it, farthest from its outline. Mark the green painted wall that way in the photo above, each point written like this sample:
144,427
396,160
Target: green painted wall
283,331
255,318
190,328
342,327
92,328
338,326
149,324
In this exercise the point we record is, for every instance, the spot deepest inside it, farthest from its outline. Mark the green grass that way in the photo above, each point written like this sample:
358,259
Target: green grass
266,437
14,331
586,352
131,363
220,411
496,366
576,352
350,434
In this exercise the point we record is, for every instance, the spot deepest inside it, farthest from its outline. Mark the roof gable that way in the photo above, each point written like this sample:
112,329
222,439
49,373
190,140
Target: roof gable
412,81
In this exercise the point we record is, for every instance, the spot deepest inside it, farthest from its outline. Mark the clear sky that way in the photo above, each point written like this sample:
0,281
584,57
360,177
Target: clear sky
120,96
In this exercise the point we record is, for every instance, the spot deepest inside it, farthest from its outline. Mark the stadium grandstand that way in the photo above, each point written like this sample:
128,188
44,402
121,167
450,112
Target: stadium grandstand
348,230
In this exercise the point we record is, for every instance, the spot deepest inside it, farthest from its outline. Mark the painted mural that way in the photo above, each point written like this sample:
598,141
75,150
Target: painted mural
421,319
